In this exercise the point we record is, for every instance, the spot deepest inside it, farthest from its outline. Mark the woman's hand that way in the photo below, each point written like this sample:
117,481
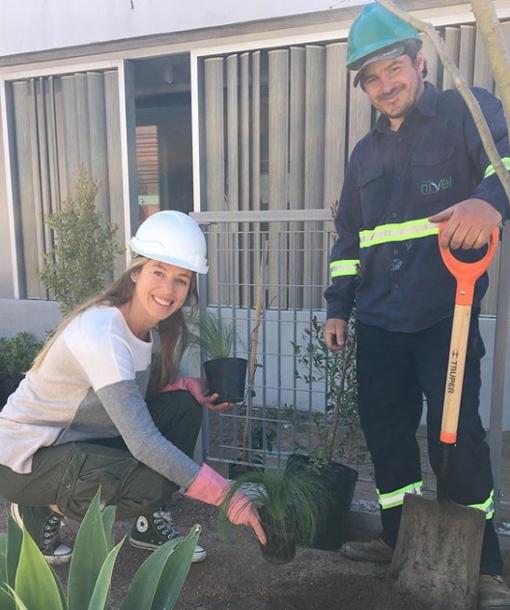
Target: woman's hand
197,389
211,488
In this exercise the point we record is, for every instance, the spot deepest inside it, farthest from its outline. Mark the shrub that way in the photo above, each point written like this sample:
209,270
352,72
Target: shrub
338,372
17,354
85,245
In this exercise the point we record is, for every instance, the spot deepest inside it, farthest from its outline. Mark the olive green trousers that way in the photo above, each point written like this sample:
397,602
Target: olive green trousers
69,475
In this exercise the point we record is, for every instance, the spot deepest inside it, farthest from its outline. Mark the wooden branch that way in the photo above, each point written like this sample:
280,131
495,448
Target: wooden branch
464,90
254,346
495,44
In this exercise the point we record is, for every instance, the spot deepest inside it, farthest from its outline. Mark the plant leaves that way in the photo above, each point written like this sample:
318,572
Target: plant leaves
101,591
16,600
108,516
14,541
90,551
161,576
35,581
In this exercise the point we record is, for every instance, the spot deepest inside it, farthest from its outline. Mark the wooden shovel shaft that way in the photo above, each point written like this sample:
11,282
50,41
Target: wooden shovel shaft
455,374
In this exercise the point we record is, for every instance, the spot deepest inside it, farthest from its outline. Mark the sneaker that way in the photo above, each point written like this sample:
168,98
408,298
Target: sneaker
493,593
43,525
376,551
150,532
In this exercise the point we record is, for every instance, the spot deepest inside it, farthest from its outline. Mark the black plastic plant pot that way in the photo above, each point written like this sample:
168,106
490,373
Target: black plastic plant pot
279,549
340,482
227,377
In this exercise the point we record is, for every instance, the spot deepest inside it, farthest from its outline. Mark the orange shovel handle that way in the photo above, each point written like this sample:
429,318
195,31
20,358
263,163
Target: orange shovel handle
466,275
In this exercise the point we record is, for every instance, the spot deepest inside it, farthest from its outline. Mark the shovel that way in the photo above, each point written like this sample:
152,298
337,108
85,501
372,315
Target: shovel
437,556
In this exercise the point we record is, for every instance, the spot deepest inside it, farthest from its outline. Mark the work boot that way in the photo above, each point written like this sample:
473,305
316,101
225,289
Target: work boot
375,550
150,532
44,527
493,593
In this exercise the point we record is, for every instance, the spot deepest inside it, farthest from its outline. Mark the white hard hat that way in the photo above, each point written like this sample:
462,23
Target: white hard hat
172,237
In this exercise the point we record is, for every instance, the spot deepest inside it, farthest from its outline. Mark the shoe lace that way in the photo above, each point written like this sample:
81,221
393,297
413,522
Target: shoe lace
164,523
50,533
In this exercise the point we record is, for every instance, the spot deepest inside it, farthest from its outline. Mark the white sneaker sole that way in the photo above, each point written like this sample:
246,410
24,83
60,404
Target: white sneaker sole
199,554
64,553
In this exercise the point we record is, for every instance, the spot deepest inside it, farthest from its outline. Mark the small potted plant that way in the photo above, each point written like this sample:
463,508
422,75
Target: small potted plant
225,374
16,357
338,371
289,506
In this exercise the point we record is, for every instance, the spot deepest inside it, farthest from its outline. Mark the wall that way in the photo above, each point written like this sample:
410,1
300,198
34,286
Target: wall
33,25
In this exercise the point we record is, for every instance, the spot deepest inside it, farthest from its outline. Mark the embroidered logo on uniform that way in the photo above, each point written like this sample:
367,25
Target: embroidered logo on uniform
428,187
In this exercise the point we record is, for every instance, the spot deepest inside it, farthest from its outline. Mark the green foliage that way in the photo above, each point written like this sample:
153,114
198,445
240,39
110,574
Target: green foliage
84,247
291,502
18,353
338,372
33,584
212,335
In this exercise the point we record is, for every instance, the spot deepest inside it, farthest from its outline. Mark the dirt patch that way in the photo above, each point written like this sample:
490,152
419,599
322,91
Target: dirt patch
236,577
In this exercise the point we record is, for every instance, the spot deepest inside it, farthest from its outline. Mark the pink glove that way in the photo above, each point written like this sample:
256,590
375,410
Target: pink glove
195,387
211,488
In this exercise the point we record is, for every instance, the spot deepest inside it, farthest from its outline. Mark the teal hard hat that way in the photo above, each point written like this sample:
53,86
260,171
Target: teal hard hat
375,34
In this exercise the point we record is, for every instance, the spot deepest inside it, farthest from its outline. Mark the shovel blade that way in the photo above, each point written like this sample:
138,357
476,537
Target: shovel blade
437,556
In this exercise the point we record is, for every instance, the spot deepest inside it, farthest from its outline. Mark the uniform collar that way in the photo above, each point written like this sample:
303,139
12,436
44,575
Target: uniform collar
426,106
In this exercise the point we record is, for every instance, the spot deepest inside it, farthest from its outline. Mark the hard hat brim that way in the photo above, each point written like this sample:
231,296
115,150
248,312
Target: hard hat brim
138,248
390,52
384,56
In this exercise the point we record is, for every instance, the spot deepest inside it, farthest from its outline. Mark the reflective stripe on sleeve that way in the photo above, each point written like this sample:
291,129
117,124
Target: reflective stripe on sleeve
487,506
399,231
344,267
396,498
490,168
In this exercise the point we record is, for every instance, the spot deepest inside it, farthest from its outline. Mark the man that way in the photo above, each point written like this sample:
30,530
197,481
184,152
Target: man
422,164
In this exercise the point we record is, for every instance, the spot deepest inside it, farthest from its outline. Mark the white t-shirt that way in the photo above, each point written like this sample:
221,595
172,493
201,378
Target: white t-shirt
90,385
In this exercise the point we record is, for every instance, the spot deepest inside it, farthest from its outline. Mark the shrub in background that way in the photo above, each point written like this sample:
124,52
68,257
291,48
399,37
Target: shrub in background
84,247
16,357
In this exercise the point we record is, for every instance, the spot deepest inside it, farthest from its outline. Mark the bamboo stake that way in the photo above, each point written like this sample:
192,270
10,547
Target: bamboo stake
254,345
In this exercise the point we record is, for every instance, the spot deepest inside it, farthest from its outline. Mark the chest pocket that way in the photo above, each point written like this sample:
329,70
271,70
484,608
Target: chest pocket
373,192
432,176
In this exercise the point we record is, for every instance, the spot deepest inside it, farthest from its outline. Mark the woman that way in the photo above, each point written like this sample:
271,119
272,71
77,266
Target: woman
79,419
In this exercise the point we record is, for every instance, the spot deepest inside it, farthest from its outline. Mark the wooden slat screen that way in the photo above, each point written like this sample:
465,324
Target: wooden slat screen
61,123
277,129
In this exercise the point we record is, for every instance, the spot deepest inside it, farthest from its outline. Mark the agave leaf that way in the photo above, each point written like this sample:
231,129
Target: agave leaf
101,591
14,540
159,580
108,516
90,551
3,558
35,582
176,571
6,597
15,599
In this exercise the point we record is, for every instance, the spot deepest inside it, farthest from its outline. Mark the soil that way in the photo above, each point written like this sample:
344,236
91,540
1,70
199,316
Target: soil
236,577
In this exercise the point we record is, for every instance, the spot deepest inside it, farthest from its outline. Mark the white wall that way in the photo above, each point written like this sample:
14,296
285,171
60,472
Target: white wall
33,25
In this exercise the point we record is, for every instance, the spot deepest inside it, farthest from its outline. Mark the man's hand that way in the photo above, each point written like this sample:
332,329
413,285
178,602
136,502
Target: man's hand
469,224
335,333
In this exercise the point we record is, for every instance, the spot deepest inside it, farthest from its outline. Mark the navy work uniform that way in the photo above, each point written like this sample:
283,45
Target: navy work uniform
386,262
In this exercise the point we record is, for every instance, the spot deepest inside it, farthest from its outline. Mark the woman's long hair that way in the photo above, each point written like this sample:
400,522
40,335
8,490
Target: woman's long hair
173,331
